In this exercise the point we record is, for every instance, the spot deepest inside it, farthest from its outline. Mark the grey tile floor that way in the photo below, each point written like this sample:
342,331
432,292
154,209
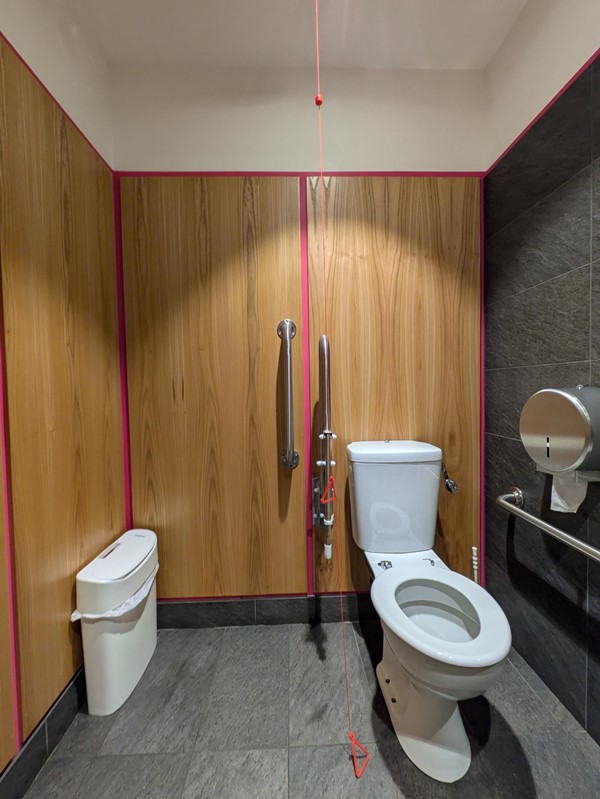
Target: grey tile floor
259,713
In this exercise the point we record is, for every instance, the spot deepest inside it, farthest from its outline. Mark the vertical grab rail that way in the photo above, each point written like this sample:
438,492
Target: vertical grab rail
286,330
325,436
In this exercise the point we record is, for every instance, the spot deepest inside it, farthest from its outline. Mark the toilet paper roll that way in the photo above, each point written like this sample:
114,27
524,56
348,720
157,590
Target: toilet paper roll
567,493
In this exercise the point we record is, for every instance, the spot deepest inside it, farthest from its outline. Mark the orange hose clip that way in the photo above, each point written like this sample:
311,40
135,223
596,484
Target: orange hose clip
330,487
358,770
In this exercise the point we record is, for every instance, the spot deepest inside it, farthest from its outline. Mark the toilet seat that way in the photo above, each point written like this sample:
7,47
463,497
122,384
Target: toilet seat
491,644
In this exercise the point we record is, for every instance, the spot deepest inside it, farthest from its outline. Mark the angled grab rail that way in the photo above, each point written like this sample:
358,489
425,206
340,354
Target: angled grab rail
286,330
513,502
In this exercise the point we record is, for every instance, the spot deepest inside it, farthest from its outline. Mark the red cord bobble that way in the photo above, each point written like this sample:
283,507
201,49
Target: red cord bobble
319,100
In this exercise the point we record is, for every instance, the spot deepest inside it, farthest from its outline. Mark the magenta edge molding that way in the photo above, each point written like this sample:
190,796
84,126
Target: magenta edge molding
7,489
481,392
122,355
306,366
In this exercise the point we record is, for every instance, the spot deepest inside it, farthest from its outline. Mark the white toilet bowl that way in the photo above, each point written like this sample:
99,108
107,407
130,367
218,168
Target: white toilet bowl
445,639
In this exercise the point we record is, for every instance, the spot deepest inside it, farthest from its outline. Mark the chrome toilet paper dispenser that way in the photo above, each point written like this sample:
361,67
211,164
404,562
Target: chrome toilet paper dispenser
560,429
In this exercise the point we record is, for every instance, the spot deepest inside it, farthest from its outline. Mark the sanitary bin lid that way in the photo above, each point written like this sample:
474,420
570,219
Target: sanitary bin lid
393,452
120,558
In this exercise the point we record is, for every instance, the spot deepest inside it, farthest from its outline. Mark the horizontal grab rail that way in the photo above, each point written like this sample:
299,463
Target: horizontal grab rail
513,502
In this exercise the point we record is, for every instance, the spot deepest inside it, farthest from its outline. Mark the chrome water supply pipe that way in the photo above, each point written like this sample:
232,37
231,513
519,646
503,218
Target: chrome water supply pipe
324,485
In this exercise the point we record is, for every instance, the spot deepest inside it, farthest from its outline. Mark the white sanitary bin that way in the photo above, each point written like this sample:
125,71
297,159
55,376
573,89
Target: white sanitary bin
116,602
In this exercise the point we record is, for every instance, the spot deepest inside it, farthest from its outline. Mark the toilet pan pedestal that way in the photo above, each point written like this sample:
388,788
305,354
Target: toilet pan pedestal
428,726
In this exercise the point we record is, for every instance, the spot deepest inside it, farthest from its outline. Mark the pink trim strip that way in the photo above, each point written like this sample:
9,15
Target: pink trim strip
559,94
53,98
307,403
258,174
7,489
123,355
481,392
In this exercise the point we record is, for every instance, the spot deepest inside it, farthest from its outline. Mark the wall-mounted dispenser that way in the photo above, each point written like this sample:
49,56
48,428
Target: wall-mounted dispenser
560,430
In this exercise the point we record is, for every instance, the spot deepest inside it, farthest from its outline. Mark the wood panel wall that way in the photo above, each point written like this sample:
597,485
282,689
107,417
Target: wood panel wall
60,327
403,273
211,266
8,743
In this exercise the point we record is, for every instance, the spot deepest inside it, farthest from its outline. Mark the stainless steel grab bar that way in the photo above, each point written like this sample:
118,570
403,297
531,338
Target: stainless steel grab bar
325,382
286,330
513,502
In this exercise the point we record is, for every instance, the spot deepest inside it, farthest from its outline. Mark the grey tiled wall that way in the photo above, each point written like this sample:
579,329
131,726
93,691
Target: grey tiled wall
542,321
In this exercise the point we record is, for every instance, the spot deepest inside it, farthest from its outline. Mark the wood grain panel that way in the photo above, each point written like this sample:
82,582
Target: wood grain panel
211,267
60,327
402,274
8,743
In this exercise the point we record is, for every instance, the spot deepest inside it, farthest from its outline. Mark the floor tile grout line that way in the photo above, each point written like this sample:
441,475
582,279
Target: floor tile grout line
361,670
87,769
82,777
538,695
499,435
563,275
537,365
518,292
187,772
541,200
210,685
362,662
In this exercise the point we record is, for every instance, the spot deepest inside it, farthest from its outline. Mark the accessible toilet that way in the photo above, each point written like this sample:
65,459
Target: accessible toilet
445,637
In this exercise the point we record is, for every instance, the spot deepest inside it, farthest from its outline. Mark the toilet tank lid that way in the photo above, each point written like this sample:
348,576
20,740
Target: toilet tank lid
393,452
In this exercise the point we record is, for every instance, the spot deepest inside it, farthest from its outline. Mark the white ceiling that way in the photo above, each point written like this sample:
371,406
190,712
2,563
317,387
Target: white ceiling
369,34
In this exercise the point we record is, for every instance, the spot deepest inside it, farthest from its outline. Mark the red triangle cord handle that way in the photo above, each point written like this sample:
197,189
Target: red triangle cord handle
330,487
358,769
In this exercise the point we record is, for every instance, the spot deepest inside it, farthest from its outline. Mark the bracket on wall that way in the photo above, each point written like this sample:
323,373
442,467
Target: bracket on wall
318,507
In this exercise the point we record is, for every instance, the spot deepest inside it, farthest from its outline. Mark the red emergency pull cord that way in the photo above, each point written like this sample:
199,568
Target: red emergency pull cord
357,756
329,489
358,769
